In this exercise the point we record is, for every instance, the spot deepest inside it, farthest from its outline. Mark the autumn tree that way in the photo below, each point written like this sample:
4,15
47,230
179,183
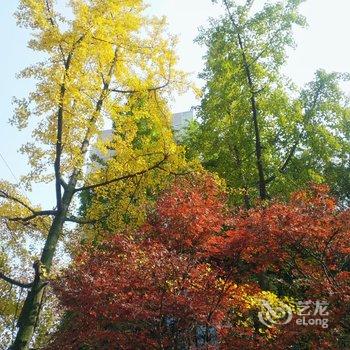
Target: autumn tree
256,130
123,204
160,292
189,278
302,248
95,60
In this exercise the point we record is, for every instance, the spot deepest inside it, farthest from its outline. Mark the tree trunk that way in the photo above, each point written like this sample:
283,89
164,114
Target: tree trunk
31,308
254,108
258,151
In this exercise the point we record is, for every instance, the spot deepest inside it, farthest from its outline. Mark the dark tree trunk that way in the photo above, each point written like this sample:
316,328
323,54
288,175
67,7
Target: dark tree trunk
254,109
31,308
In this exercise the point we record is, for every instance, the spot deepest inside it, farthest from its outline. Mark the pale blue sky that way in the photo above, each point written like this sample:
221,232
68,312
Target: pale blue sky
324,44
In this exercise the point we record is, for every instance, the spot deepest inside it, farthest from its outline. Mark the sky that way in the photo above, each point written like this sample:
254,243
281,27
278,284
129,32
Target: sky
323,44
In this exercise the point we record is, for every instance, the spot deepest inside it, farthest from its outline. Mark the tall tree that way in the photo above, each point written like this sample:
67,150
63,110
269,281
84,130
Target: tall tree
253,131
105,52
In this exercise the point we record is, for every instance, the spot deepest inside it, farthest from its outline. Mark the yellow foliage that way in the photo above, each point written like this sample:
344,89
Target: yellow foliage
109,53
107,63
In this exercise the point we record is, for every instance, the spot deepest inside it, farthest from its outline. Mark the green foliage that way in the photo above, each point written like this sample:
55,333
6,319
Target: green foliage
304,135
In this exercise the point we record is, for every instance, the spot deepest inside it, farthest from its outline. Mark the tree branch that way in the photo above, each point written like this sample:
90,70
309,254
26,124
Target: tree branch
14,282
268,44
5,195
54,25
106,82
59,135
155,88
124,177
290,154
59,183
80,221
33,216
184,173
63,183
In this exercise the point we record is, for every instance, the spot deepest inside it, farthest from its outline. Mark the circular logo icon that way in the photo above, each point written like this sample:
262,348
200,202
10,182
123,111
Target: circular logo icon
275,315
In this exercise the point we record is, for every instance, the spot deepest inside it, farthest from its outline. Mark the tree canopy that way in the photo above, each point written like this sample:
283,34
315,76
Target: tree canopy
256,130
108,62
190,277
212,238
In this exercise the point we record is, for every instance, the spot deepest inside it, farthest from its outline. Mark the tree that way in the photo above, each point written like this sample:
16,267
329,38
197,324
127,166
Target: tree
268,140
123,204
108,52
159,291
302,249
188,278
156,298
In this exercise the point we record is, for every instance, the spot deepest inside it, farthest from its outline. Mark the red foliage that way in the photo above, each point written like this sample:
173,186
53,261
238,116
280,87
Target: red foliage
186,271
301,249
187,215
123,292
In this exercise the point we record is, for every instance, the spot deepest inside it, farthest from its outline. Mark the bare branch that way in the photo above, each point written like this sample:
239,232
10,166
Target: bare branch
124,177
156,88
63,183
14,282
33,216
